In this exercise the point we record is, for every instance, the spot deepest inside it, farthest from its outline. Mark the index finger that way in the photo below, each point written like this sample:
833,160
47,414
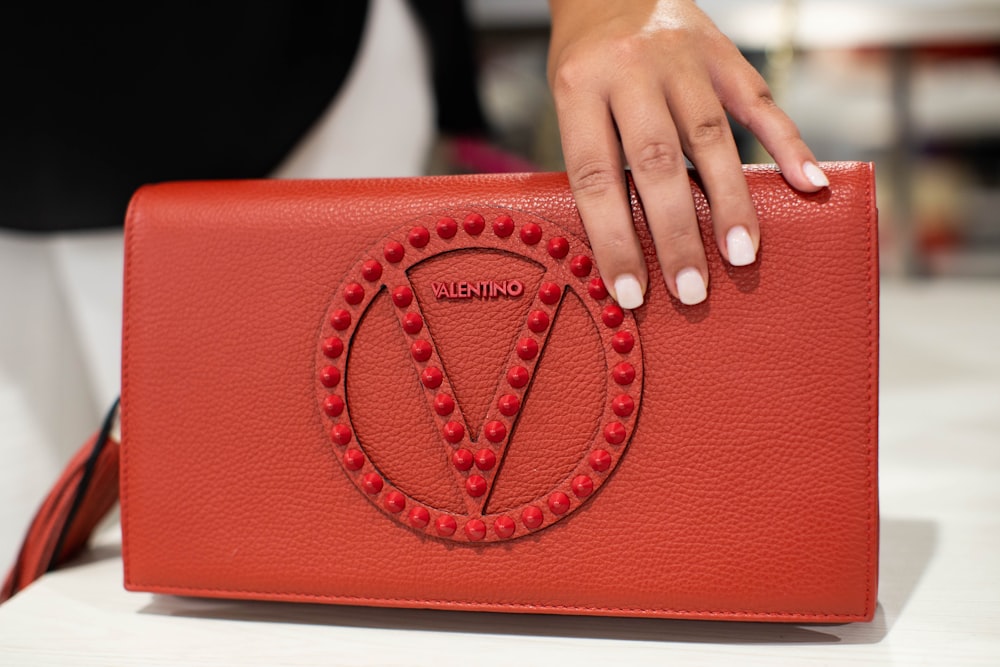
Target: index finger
597,179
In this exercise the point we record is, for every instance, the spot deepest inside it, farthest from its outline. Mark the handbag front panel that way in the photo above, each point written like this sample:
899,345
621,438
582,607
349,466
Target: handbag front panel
466,425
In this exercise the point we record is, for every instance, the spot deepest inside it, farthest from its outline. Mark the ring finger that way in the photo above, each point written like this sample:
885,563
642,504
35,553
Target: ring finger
708,141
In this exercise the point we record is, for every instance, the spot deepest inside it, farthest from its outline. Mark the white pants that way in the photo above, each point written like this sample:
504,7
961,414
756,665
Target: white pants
60,295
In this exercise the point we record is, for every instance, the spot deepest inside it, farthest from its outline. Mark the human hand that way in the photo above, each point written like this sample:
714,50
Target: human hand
652,80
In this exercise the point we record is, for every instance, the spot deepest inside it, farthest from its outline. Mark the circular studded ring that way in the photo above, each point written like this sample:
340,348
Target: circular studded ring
476,466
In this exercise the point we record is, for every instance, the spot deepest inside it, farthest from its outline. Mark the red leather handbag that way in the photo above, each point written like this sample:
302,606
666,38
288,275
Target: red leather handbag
417,393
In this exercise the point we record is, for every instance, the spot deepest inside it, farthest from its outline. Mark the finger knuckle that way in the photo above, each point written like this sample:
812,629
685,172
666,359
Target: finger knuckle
577,69
761,105
626,50
659,157
762,112
763,100
595,178
613,243
568,76
680,241
708,133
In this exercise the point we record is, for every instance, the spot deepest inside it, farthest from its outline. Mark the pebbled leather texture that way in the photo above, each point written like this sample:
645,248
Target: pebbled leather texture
741,486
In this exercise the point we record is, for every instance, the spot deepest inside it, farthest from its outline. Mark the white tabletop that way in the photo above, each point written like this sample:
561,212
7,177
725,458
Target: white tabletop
939,597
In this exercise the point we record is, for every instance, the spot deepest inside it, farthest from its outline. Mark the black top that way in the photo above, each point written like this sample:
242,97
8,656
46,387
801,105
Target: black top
98,101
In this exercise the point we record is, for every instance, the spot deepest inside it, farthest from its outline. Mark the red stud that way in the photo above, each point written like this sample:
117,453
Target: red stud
431,377
596,289
395,502
447,228
462,459
623,405
354,294
532,517
475,486
615,433
412,323
329,376
354,460
371,270
333,347
622,342
558,503
527,349
393,252
531,233
508,405
612,315
517,377
599,460
444,404
402,296
474,224
453,432
421,349
419,517
475,530
558,247
419,237
582,486
340,320
340,434
503,226
445,525
333,405
495,431
485,459
504,526
538,321
549,293
372,483
581,266
623,373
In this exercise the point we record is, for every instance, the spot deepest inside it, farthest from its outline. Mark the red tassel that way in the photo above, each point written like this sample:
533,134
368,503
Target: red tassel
49,526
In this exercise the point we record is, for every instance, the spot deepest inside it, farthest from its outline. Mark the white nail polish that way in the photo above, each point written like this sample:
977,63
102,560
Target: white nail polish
815,175
739,246
691,286
628,291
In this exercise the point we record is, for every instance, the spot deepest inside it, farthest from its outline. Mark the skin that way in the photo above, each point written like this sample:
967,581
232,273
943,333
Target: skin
646,83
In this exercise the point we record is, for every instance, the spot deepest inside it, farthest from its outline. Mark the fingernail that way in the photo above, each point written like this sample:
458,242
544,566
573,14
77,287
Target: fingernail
628,291
739,246
690,286
815,175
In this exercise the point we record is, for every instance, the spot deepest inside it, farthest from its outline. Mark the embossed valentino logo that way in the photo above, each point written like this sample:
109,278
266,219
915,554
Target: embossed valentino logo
476,460
482,289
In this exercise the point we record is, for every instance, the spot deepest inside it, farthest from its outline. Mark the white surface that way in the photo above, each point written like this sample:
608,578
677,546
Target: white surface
939,595
59,358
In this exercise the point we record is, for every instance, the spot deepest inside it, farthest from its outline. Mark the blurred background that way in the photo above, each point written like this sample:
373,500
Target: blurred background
912,85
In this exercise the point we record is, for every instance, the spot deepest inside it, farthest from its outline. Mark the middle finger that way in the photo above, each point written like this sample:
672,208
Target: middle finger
653,151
